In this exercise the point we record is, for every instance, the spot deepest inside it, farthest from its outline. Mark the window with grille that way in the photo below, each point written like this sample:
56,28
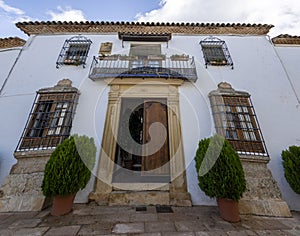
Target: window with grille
215,52
235,119
74,51
50,120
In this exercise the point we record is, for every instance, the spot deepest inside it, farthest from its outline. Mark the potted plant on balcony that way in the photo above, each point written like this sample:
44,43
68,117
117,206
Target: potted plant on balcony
181,57
291,165
128,58
160,57
67,171
221,175
109,57
218,61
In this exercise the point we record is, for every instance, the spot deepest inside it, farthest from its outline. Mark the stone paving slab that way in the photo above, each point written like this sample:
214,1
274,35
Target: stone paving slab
129,228
63,231
91,219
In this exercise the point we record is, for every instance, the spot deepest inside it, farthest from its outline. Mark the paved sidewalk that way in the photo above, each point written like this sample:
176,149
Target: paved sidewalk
90,219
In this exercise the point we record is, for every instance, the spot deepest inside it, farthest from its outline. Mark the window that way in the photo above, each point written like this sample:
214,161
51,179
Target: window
235,119
144,54
50,120
215,52
74,51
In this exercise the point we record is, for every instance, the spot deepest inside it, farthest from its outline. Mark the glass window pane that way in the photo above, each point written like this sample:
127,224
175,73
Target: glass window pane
243,125
250,126
246,135
253,137
245,109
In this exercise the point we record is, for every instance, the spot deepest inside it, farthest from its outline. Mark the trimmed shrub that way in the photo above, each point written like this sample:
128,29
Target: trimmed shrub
291,165
69,168
220,172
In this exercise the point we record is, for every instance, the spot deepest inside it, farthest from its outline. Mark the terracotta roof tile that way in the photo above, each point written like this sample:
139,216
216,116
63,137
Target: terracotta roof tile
11,42
286,39
54,27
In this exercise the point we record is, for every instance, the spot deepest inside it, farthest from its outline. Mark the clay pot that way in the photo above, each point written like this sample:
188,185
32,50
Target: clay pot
62,205
229,210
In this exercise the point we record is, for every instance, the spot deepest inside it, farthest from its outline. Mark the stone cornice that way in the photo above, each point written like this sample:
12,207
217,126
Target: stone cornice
53,27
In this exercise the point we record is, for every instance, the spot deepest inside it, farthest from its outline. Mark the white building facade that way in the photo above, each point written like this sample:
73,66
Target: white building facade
173,84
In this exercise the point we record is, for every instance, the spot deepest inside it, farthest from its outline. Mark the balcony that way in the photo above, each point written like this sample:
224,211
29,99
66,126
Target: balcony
123,66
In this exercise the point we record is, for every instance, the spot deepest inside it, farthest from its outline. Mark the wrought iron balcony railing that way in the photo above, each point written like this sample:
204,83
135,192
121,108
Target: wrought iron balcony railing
118,66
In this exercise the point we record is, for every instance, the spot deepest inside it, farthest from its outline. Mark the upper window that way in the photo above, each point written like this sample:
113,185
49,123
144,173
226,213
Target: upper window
50,119
143,55
215,52
74,51
235,119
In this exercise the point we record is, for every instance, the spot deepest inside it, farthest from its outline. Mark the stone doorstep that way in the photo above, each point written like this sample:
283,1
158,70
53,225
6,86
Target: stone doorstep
120,198
139,198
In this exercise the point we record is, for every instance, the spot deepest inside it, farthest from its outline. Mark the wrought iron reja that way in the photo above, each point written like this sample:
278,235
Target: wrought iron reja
215,52
74,51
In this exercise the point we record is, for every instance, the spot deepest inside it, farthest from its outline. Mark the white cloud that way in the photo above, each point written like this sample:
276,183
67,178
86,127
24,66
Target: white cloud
284,14
67,14
8,17
10,9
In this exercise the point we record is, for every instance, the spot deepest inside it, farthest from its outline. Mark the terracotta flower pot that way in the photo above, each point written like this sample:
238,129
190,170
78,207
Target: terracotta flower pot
62,205
229,210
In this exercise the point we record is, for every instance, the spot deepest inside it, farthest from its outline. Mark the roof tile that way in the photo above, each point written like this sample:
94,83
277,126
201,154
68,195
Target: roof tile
50,27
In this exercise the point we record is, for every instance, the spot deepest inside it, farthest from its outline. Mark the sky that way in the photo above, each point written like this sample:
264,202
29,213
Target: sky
283,14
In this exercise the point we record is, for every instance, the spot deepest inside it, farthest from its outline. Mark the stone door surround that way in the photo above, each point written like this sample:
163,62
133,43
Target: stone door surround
173,193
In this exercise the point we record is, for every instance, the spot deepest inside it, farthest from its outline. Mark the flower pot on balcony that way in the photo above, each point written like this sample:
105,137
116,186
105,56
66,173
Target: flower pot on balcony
156,57
113,57
218,62
177,57
128,58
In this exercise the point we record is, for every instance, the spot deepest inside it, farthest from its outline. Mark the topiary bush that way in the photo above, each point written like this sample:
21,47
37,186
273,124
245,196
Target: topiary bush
291,165
220,172
69,168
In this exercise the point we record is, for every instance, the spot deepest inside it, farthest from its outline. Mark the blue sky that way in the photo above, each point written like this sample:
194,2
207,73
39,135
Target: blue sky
284,14
12,11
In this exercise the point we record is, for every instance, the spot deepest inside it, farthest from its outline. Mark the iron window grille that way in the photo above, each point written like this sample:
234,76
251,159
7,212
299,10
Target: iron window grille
49,122
215,52
235,119
74,51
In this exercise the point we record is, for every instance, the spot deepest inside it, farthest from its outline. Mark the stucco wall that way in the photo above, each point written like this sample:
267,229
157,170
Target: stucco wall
257,70
7,59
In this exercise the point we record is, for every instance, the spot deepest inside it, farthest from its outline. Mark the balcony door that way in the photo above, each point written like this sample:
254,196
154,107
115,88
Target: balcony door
143,52
142,152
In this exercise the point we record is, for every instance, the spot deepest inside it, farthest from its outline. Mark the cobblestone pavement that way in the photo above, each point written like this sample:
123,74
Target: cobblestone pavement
90,219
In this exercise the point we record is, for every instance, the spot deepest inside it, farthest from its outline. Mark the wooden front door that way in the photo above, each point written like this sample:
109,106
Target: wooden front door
156,157
147,157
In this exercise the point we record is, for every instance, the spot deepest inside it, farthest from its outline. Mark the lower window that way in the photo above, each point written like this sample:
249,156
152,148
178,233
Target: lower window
50,120
235,119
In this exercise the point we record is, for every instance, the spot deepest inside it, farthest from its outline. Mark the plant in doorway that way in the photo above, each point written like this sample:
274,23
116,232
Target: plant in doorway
221,175
67,171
